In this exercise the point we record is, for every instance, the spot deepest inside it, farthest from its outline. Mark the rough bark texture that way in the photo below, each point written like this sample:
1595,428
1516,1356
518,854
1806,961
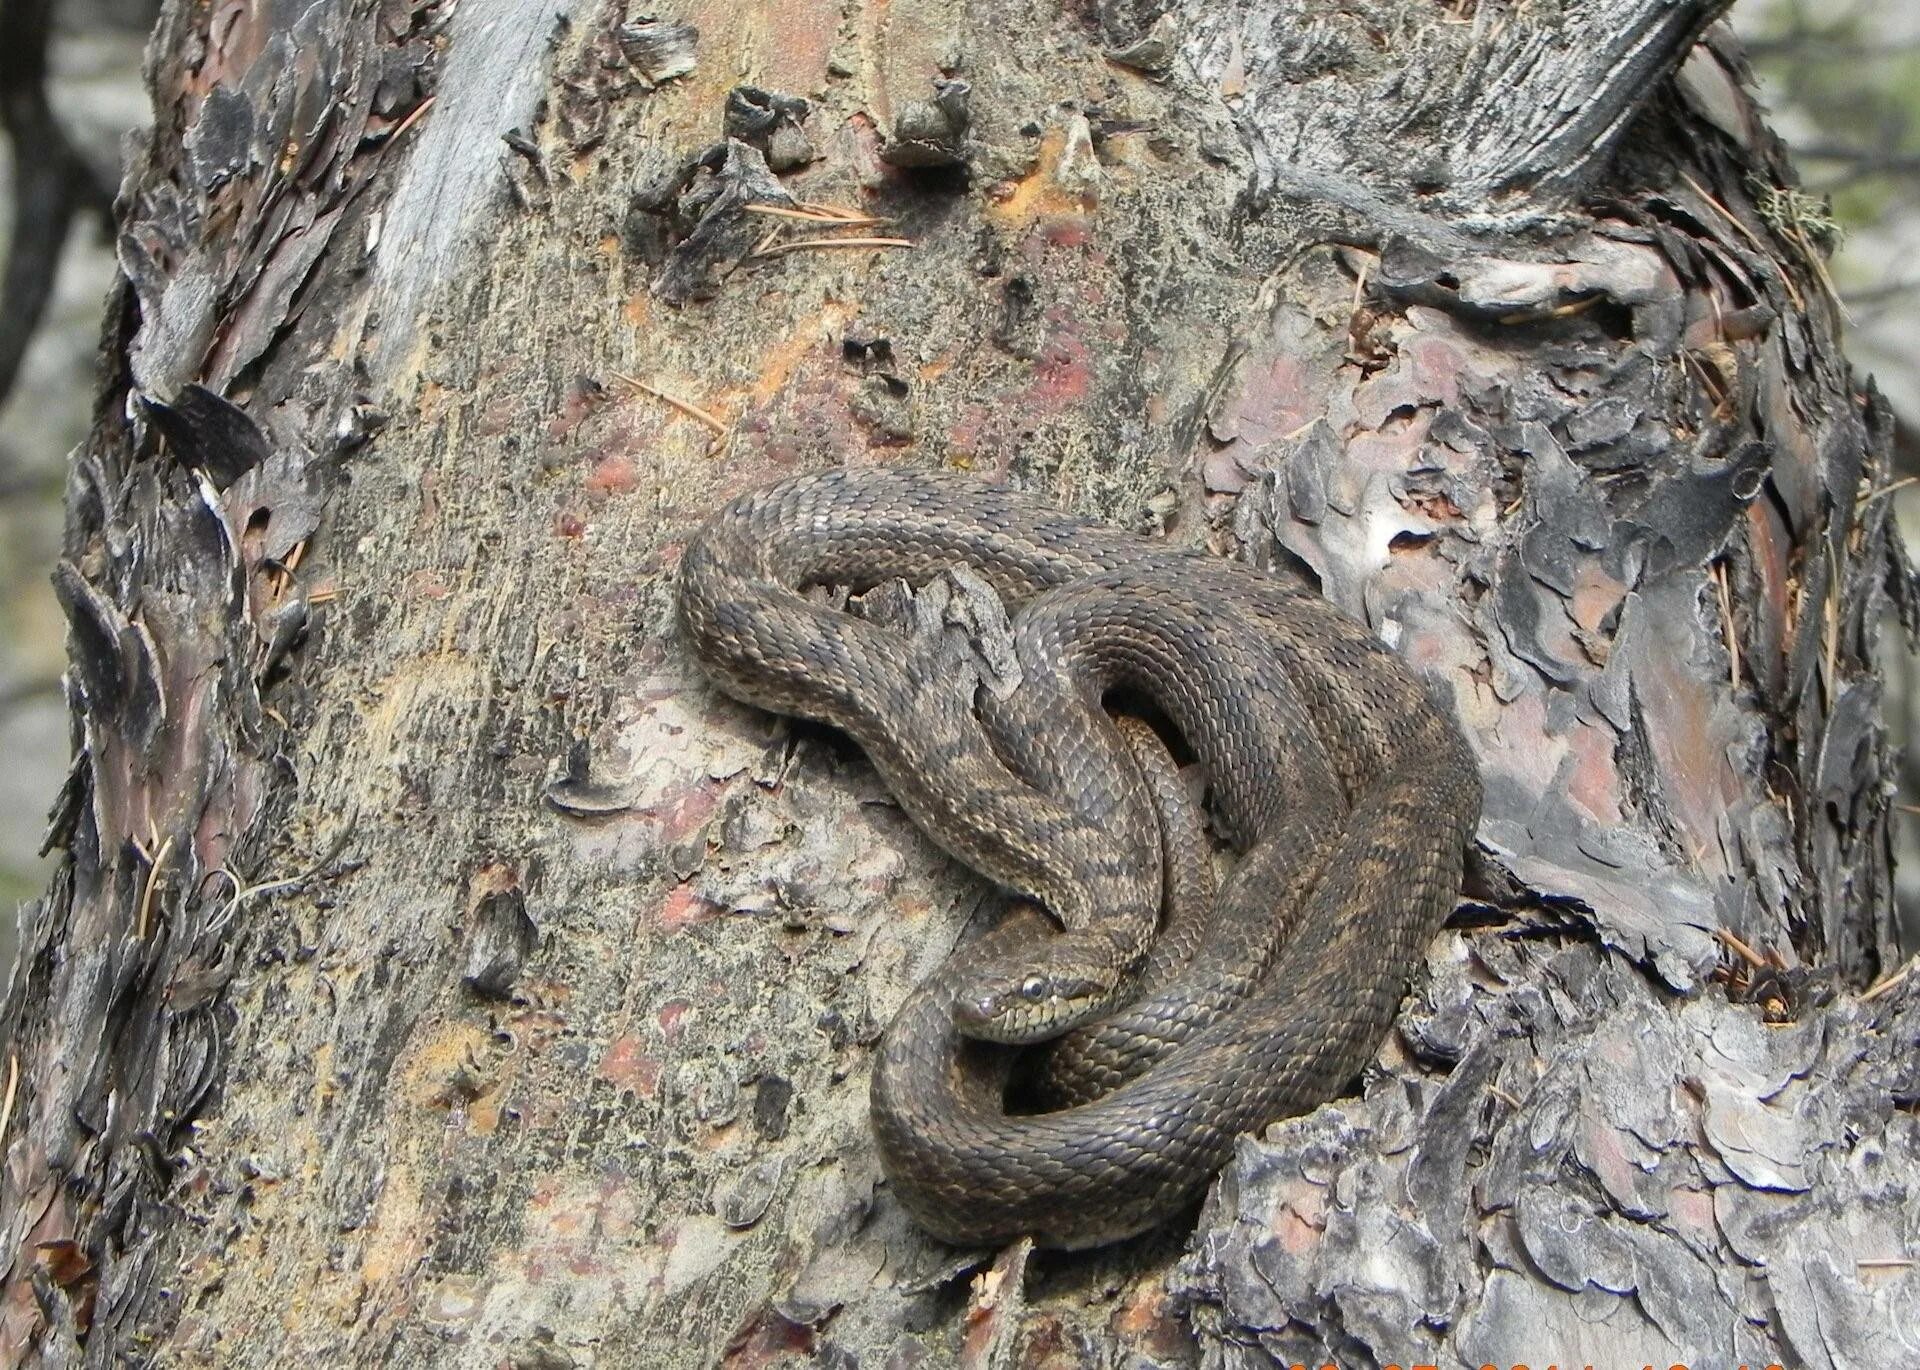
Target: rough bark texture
441,974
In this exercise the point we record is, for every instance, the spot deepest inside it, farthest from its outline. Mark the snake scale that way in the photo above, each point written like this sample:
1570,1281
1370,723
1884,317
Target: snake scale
1347,794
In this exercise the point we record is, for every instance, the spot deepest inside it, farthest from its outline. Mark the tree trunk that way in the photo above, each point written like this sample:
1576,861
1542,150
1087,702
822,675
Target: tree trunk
442,973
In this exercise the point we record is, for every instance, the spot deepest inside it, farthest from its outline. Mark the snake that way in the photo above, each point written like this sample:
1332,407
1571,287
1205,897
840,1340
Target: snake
1347,792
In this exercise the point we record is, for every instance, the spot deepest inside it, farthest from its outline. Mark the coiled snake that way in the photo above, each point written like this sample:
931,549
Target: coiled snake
1349,796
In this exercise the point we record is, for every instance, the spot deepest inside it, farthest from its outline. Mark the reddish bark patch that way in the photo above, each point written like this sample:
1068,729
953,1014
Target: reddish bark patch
1063,376
1393,448
502,416
1434,365
1148,1322
583,398
1066,231
680,812
1301,1220
768,1340
1277,402
612,475
801,424
669,1018
1593,784
427,584
683,909
1595,595
627,1065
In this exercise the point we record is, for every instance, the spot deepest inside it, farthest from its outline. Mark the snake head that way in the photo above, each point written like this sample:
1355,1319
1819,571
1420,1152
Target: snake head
1033,996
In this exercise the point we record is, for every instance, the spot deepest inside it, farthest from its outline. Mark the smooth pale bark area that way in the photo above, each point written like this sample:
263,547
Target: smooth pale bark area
443,974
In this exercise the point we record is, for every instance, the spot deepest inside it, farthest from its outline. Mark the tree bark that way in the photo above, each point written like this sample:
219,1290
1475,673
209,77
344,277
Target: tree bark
441,973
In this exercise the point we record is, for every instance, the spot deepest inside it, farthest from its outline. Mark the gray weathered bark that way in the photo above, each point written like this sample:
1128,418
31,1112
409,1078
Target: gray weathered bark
440,973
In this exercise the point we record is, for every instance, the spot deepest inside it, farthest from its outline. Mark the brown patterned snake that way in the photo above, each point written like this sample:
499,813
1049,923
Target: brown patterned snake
1349,796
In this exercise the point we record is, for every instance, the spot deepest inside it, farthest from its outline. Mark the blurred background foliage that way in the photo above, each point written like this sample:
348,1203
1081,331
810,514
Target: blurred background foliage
1842,80
1841,77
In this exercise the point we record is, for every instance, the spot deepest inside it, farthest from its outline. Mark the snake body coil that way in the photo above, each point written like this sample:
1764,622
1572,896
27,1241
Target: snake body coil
1348,794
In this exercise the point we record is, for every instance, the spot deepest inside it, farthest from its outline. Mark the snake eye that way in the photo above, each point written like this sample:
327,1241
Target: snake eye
1033,987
